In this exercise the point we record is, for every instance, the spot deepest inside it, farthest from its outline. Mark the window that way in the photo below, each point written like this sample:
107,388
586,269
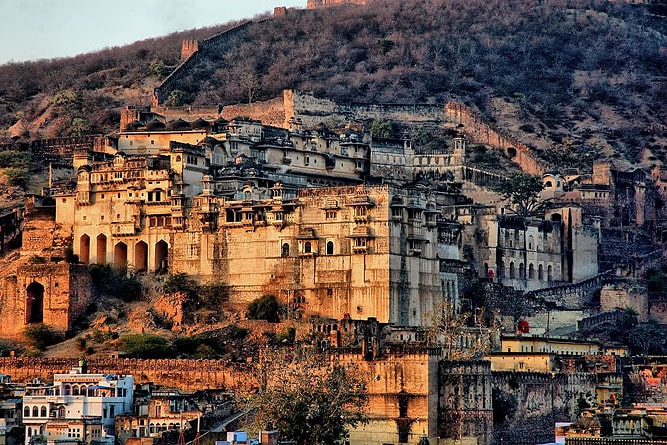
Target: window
285,250
42,412
331,214
540,272
512,271
330,248
307,247
35,411
550,273
531,271
26,411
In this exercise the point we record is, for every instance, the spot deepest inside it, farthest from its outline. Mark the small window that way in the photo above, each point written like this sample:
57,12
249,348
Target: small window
307,247
285,250
330,248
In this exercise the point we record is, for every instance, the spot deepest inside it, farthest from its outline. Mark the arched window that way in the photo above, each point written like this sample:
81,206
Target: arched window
35,411
83,390
61,412
530,242
307,247
42,412
26,411
68,390
522,271
512,271
531,271
285,250
29,432
75,390
550,273
501,270
330,248
540,272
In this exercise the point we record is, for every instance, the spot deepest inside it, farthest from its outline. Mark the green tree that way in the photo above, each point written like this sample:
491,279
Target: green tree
522,190
264,308
308,398
146,346
382,129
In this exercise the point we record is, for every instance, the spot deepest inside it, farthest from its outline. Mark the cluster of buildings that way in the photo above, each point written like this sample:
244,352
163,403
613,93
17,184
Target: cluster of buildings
368,234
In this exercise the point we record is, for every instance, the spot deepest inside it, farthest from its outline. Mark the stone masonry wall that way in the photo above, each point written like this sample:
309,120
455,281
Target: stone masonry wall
542,399
479,131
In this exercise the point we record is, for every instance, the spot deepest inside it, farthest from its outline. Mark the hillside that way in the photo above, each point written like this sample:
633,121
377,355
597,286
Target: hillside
575,80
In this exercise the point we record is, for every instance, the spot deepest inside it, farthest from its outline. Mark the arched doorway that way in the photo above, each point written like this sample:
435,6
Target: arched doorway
101,249
120,255
84,249
34,304
161,256
141,256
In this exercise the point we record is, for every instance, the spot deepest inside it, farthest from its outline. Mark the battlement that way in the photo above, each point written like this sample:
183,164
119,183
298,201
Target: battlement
314,4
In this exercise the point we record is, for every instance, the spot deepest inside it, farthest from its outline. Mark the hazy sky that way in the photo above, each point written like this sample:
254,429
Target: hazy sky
44,29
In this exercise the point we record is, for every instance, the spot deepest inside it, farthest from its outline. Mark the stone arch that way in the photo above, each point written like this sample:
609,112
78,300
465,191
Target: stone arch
141,256
101,249
34,307
120,255
161,256
84,249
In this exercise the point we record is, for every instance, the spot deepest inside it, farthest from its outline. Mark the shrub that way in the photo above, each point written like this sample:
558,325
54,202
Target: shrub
181,282
41,336
146,346
116,282
264,308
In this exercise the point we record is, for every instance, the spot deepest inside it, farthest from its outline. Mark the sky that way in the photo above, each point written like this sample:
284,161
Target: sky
45,29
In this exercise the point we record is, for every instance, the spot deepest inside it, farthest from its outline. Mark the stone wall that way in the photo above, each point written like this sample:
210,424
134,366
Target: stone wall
186,375
270,112
465,410
53,293
542,399
476,127
314,4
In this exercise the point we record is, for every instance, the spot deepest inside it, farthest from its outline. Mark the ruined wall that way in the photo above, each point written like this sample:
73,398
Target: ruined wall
542,399
465,410
53,293
270,112
475,126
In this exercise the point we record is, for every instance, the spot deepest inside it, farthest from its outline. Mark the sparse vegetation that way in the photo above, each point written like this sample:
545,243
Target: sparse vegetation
41,336
146,346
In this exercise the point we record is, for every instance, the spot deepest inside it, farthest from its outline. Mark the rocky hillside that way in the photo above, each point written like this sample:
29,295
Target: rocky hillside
576,80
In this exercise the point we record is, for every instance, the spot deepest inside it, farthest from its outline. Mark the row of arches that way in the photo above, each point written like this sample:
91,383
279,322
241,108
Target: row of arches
141,258
533,273
35,411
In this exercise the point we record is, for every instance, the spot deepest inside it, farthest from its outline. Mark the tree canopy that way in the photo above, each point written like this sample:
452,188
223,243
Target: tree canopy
522,191
308,398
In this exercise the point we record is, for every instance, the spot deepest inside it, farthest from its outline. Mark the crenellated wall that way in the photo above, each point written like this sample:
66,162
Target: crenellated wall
476,127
